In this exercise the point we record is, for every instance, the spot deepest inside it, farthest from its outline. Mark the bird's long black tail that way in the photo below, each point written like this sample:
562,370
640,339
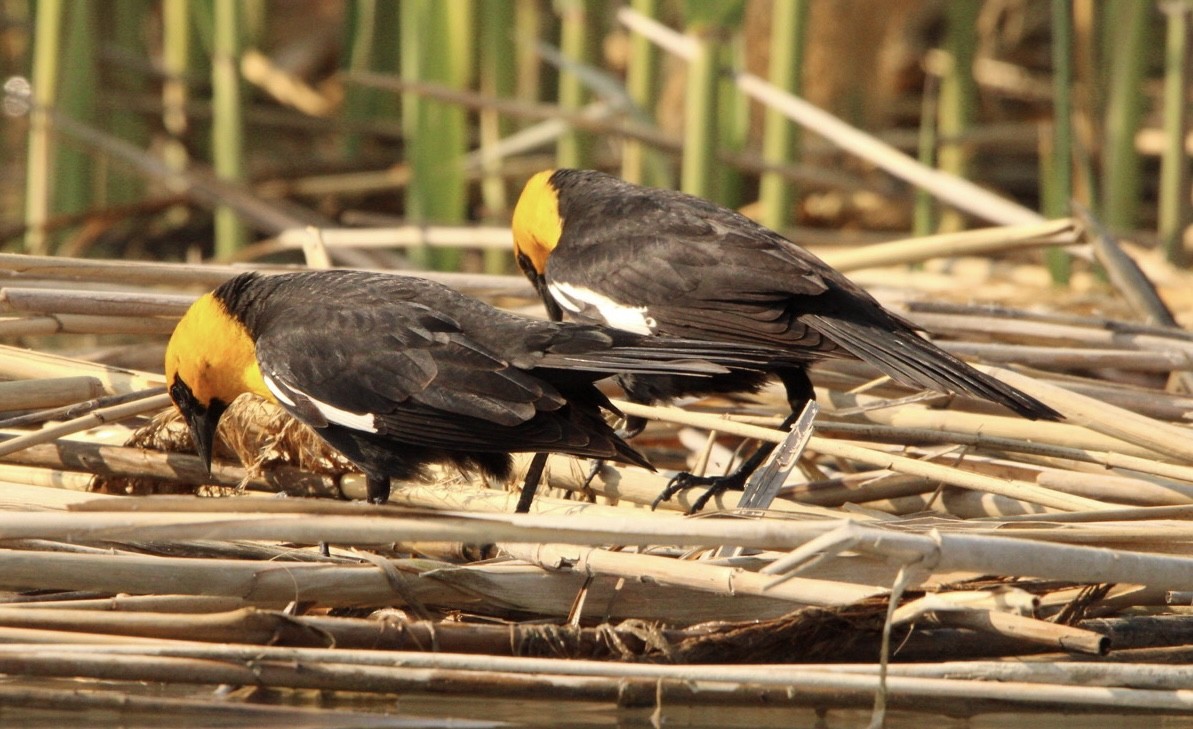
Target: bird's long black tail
909,358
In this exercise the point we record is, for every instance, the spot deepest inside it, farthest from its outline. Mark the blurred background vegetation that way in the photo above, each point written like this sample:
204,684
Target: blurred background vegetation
192,129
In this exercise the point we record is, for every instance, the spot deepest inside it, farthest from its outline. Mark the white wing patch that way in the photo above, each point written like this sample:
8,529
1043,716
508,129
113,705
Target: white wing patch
298,402
281,394
577,299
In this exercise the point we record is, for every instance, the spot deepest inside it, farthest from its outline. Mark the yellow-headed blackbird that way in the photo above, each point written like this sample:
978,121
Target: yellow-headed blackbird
663,262
398,372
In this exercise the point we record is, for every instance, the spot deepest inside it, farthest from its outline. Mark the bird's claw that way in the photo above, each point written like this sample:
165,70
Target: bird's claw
714,485
594,470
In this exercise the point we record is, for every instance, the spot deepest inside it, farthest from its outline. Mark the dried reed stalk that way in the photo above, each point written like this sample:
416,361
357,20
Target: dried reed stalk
956,477
81,324
970,242
95,418
93,302
1034,552
48,392
18,364
698,576
572,679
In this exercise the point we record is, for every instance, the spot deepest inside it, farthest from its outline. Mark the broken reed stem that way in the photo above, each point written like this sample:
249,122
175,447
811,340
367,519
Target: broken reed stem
46,479
75,408
1068,357
1080,674
1038,632
408,236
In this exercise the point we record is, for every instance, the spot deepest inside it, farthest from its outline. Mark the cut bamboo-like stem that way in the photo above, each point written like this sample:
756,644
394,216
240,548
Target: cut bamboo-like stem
410,236
196,712
210,276
1060,434
637,486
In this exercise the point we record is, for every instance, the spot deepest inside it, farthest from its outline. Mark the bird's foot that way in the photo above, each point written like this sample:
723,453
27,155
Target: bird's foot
594,470
735,481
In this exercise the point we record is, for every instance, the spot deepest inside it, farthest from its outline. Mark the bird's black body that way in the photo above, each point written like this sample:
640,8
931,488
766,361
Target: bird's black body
668,263
399,372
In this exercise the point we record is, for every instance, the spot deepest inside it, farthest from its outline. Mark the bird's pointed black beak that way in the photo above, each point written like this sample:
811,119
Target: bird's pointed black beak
553,309
202,420
203,425
540,285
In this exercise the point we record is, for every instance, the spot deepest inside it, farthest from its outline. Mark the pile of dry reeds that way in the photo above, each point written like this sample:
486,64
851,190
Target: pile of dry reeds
921,544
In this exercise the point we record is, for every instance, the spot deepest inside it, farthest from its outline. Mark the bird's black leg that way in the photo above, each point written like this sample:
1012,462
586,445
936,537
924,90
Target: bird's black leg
632,427
376,492
377,488
799,391
735,481
534,474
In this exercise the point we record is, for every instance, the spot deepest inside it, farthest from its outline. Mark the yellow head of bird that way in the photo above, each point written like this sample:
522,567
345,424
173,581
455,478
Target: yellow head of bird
210,360
537,225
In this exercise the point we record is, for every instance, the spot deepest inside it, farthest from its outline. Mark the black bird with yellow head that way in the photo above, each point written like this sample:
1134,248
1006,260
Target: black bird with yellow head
399,372
661,262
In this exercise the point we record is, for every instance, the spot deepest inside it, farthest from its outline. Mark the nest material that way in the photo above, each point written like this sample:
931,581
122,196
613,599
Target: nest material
253,432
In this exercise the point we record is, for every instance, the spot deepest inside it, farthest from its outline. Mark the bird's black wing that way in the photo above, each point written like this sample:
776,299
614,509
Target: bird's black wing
367,369
696,271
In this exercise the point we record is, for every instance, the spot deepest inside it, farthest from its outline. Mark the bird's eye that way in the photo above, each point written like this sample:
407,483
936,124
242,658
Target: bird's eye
524,262
182,396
